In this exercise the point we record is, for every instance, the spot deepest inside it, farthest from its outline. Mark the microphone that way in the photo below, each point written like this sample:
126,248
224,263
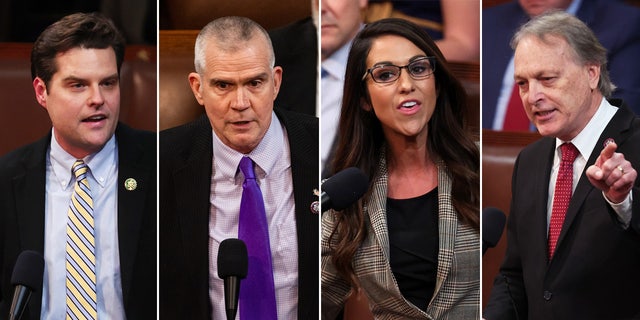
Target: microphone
343,189
232,267
26,277
493,220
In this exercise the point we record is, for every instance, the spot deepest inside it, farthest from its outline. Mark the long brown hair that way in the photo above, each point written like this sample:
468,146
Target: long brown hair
360,138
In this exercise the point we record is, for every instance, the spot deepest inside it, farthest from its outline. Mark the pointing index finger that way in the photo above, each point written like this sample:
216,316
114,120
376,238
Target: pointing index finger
608,151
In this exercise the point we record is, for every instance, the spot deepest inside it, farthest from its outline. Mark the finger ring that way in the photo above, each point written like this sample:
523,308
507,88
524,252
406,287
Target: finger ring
621,170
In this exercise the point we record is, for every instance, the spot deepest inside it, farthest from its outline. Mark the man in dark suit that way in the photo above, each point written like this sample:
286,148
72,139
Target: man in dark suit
75,68
296,49
617,26
201,186
573,242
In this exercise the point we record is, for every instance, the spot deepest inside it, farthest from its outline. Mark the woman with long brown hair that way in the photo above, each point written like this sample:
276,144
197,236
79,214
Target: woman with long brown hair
412,242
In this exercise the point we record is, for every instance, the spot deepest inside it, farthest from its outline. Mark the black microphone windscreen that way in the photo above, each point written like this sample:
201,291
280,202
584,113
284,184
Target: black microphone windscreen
232,259
345,187
493,220
28,270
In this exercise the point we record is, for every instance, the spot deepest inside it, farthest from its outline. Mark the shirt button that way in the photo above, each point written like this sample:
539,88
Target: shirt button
547,295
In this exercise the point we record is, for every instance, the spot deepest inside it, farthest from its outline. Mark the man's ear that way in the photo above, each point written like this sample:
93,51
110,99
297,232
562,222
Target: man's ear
593,70
277,80
40,89
195,82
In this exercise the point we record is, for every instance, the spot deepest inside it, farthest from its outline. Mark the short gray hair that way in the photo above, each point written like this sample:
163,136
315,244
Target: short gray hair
585,44
231,34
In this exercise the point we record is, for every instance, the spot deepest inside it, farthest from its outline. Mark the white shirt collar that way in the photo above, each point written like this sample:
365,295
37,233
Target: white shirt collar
584,141
227,159
100,164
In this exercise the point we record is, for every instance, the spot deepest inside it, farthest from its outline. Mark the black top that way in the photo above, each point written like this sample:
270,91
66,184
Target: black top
413,242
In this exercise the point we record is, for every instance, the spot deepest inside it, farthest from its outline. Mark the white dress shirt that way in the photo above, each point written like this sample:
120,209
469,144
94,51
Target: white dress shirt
585,143
332,83
103,176
273,172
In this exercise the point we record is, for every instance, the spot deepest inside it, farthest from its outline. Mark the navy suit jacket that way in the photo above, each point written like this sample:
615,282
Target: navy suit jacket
22,204
296,49
594,271
604,17
185,186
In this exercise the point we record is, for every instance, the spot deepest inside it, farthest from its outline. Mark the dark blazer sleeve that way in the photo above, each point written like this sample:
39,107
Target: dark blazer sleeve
185,180
617,26
296,49
498,24
22,197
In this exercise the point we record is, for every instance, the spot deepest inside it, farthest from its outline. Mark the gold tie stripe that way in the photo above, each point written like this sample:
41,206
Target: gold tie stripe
81,260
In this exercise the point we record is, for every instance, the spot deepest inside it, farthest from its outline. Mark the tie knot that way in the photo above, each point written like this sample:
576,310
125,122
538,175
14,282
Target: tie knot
569,152
246,166
79,169
323,73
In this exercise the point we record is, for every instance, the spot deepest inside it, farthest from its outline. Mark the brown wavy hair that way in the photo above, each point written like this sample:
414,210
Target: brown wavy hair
78,30
360,139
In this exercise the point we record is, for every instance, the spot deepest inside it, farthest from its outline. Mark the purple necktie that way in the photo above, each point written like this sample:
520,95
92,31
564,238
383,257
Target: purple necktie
257,292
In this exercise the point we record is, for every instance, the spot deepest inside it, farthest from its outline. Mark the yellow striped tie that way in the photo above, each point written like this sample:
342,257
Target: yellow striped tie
81,260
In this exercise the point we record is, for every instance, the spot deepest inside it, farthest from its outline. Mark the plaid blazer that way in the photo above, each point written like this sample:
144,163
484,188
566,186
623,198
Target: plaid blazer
457,292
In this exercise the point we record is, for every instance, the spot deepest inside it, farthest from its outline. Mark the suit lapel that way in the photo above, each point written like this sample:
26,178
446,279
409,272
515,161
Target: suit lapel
541,176
377,210
194,200
131,203
447,227
618,129
304,171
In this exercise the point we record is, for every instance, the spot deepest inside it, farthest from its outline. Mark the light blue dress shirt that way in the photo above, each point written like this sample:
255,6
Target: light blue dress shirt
103,178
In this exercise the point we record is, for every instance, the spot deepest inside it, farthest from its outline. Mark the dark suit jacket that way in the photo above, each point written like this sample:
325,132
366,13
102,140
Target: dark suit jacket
296,48
594,271
22,203
185,179
604,17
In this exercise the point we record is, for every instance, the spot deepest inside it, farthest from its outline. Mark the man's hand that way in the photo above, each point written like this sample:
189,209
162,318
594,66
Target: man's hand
612,174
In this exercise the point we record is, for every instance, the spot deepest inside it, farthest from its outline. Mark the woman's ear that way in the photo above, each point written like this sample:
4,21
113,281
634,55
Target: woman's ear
364,104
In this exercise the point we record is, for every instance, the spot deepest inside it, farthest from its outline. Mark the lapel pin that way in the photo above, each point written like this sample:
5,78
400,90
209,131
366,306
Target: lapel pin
315,207
130,184
607,142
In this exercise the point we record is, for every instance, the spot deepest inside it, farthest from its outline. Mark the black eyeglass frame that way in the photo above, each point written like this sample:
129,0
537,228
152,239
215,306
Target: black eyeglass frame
432,63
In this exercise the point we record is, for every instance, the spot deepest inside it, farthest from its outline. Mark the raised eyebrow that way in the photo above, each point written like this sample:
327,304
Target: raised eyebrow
262,76
382,63
389,63
414,58
213,81
111,78
72,79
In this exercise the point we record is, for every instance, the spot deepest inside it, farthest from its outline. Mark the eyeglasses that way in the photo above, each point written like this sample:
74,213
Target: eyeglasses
419,69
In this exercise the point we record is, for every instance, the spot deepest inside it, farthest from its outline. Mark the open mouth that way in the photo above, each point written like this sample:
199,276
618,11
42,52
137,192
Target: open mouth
96,118
409,105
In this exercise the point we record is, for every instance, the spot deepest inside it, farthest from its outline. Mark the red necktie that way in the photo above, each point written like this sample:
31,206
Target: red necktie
515,119
562,194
